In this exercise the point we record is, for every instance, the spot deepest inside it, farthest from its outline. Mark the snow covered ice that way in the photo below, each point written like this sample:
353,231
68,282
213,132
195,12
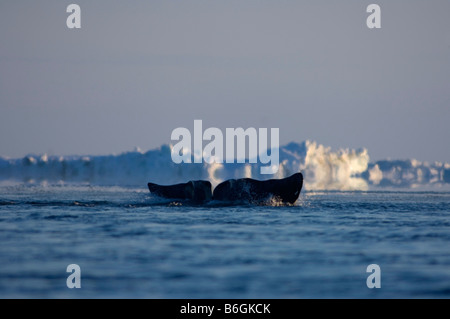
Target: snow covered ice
322,167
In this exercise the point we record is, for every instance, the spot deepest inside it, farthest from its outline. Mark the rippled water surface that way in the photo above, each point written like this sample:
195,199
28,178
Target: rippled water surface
129,244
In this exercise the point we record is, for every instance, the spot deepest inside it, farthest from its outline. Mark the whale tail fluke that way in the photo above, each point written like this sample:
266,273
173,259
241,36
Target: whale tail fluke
285,190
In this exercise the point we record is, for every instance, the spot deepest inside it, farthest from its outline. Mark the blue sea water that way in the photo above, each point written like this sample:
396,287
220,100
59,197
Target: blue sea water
129,244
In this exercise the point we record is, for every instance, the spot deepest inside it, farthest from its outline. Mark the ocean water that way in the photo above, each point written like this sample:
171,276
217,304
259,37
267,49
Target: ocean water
129,244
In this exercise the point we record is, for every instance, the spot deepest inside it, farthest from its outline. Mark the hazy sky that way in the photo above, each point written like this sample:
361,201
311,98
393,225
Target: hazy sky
136,70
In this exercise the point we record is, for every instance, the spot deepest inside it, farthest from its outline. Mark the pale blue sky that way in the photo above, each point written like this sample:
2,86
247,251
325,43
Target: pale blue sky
136,70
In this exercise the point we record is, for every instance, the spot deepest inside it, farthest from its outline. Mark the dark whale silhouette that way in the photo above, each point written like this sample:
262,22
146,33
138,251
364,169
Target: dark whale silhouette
197,191
286,190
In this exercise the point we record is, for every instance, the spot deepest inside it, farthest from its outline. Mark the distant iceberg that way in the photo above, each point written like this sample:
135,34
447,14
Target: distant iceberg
323,169
407,174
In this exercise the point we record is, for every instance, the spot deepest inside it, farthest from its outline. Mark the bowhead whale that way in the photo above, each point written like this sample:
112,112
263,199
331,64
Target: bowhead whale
286,190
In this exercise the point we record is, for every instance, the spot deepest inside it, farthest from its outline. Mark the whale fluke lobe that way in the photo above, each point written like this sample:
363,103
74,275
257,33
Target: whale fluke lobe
286,190
197,191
